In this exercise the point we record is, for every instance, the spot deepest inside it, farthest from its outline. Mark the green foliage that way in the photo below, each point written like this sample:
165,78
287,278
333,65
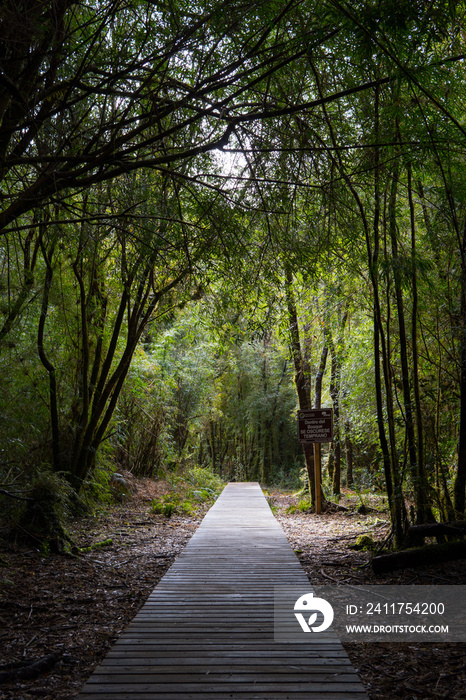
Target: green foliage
41,521
165,506
96,488
144,323
303,506
198,484
193,397
190,488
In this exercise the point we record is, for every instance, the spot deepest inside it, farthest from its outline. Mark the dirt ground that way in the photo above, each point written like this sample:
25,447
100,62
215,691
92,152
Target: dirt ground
414,671
59,615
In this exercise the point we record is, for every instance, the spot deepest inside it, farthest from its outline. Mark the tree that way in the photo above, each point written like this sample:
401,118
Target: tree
117,121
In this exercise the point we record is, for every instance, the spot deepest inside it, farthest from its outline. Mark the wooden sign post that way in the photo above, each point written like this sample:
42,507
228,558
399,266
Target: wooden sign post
316,426
317,476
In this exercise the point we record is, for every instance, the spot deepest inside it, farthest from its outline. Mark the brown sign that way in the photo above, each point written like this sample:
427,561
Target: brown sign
315,425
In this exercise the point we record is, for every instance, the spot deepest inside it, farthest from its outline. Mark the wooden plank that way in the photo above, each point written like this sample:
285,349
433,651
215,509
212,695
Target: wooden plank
114,688
206,631
142,666
253,676
237,694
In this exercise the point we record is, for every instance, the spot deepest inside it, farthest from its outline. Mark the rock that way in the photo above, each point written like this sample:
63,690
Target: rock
120,488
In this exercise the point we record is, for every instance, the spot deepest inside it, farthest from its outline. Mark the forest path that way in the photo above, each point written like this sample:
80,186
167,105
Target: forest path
207,629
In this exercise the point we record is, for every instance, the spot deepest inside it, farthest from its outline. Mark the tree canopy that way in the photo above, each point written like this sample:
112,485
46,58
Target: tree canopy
213,214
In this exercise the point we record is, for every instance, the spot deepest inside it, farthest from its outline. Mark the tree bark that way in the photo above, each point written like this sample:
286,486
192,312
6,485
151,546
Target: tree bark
319,377
31,247
50,368
349,456
460,480
422,507
301,383
335,386
426,509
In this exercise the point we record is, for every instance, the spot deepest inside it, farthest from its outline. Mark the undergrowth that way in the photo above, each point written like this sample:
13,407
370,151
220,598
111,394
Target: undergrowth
188,490
302,506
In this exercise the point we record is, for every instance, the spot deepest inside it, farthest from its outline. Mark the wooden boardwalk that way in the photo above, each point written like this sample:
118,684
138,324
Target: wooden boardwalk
206,631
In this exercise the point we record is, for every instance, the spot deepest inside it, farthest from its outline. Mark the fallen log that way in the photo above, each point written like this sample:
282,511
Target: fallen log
431,554
416,534
434,529
458,523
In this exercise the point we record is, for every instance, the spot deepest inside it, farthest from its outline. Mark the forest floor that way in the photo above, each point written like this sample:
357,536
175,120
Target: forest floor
414,671
59,615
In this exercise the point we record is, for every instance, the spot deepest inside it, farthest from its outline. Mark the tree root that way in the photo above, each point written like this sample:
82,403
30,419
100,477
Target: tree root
29,670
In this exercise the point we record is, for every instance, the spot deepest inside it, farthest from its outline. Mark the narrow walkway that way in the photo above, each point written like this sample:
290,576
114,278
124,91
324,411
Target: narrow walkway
206,631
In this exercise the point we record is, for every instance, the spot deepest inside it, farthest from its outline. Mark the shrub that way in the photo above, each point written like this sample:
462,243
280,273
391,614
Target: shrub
195,485
41,521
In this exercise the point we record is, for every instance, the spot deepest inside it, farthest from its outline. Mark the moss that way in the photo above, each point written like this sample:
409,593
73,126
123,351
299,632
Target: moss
41,523
364,542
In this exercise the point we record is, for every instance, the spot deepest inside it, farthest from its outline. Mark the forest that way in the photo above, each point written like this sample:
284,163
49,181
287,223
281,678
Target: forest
214,214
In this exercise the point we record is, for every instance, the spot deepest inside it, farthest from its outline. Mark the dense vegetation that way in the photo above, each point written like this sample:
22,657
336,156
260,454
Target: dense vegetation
214,213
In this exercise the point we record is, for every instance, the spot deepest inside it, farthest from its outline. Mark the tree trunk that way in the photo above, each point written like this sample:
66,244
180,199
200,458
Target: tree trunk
213,449
349,456
331,466
335,386
29,264
110,374
426,509
318,399
53,398
423,509
460,480
335,394
319,377
301,383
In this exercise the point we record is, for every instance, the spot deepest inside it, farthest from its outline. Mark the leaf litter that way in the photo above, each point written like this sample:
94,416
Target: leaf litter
60,615
413,671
